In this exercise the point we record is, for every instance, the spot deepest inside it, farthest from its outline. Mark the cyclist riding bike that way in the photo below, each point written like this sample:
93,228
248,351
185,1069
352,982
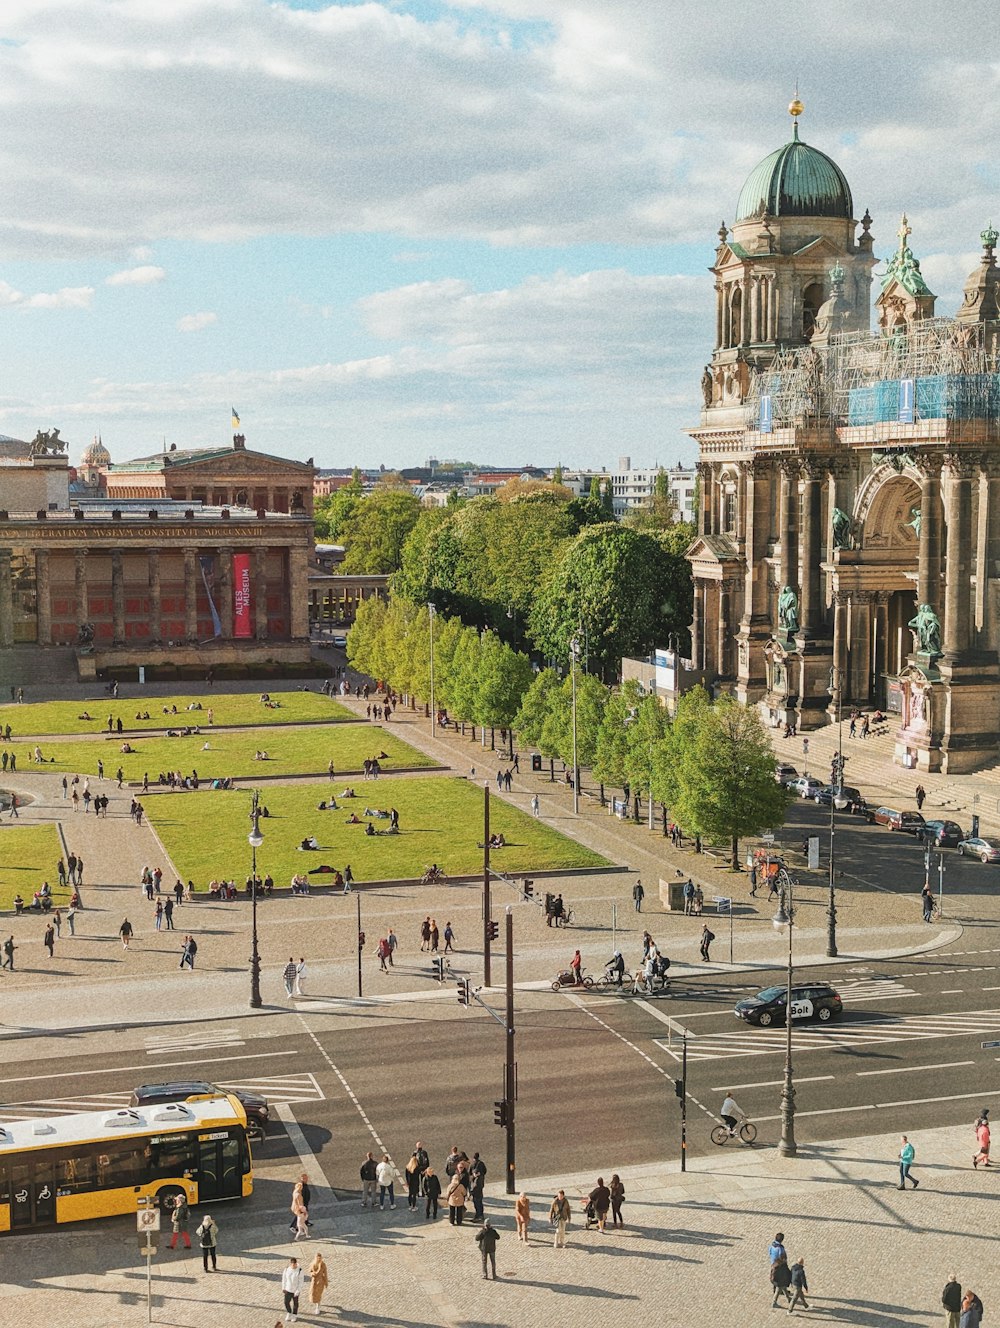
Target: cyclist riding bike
732,1113
616,967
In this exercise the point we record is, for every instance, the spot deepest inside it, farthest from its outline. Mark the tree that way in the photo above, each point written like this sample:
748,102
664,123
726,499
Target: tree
595,489
464,685
725,782
557,732
608,499
643,739
504,677
535,704
376,529
362,638
612,748
557,474
331,513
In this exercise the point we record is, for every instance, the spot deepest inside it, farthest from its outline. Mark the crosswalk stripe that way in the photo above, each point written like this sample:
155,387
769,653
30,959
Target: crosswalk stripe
286,1088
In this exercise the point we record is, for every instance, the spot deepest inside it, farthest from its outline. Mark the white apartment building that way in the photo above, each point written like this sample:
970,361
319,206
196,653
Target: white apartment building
633,488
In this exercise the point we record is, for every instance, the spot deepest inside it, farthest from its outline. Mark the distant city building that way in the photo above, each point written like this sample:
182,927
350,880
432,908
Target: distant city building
634,488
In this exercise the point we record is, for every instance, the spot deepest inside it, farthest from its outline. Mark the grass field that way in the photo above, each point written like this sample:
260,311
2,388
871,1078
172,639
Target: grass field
28,856
227,708
441,821
301,751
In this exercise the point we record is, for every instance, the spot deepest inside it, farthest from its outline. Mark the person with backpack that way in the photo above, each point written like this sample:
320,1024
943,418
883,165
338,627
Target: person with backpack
208,1233
781,1279
487,1239
707,937
179,1222
369,1173
688,895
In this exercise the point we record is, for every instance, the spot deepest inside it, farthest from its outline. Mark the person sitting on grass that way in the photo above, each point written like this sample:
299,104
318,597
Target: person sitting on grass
354,819
369,829
348,793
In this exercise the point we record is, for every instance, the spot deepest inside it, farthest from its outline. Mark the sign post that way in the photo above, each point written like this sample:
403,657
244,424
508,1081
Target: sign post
147,1221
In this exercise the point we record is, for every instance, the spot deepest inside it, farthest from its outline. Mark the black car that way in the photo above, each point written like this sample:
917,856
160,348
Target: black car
817,1001
826,795
183,1090
943,834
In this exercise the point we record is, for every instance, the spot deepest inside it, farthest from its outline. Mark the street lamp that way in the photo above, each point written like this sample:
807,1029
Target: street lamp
255,839
574,654
785,918
837,801
431,612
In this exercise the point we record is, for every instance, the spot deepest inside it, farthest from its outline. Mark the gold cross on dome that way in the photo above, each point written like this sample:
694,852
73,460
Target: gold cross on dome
904,231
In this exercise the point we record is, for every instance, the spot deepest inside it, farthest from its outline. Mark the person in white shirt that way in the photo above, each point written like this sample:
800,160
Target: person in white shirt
292,1280
385,1175
731,1113
300,977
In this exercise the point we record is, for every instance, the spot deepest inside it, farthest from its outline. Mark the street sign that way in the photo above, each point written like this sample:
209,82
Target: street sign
147,1219
986,1046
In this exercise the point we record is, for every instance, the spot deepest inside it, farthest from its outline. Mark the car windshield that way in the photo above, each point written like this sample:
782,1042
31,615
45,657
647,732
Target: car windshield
770,994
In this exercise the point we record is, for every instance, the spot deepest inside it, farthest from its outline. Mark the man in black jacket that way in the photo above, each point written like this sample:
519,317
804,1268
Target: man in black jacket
477,1179
486,1239
951,1299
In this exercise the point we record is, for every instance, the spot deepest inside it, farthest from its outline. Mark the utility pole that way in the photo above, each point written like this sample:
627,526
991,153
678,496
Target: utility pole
510,1067
361,942
487,924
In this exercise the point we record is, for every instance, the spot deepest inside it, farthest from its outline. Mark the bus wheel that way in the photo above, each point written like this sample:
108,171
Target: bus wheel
167,1197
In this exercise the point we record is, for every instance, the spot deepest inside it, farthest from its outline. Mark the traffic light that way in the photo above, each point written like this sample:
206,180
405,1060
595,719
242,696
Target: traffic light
500,1113
463,991
493,930
361,940
438,962
679,1087
529,889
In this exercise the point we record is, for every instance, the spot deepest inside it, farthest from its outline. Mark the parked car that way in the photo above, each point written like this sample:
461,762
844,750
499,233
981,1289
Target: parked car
986,850
340,641
816,1001
943,834
784,774
806,786
911,823
825,795
255,1106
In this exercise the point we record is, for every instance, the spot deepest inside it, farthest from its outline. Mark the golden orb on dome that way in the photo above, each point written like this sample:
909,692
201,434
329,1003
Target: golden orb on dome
795,108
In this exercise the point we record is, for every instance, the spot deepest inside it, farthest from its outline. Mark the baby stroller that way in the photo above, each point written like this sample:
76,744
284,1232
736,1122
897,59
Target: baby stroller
589,1214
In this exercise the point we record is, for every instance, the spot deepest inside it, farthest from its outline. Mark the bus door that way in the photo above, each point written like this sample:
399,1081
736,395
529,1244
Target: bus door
32,1193
220,1174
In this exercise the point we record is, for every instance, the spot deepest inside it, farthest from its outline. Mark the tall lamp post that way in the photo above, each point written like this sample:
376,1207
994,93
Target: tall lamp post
431,613
574,655
785,918
255,839
837,802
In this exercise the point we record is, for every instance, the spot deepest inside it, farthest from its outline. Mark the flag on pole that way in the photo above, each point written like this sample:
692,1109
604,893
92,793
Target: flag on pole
236,419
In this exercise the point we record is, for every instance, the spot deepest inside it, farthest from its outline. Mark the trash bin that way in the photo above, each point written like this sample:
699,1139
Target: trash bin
536,762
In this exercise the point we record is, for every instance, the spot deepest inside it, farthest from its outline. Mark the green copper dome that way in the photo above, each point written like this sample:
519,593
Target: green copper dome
796,181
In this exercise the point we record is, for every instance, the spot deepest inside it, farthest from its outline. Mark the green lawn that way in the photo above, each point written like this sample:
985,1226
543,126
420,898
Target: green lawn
244,709
441,820
304,751
28,856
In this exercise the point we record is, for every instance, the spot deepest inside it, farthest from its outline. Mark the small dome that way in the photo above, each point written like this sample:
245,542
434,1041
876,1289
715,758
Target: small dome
96,454
796,181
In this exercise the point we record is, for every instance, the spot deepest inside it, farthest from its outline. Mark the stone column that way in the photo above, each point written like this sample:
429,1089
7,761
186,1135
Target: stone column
745,314
812,608
191,594
958,517
989,569
757,506
697,624
6,600
117,598
80,587
755,309
788,518
155,632
723,630
298,592
225,585
720,318
43,597
840,679
859,684
260,593
929,555
704,472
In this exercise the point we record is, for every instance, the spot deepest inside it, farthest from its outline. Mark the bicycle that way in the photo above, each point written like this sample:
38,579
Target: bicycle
747,1132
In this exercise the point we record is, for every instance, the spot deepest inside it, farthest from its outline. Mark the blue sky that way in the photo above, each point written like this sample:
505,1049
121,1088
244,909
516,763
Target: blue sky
388,231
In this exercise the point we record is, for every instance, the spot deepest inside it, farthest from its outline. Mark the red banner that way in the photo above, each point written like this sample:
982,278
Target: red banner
241,595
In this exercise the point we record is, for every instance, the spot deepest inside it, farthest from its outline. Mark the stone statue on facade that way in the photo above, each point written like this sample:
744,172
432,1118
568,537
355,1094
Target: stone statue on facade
841,529
788,609
706,386
915,521
927,628
47,443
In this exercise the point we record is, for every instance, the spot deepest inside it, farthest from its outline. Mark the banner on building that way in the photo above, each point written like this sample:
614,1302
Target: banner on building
207,561
241,595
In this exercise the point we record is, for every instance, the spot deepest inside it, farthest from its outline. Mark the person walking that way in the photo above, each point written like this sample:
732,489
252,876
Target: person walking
456,1196
208,1239
477,1180
777,1248
300,977
126,933
435,937
292,1280
983,1139
319,1280
300,1213
382,950
707,937
369,1172
559,1214
392,940
535,805
57,922
168,913
920,794
951,1299
158,915
288,973
431,1186
425,933
71,919
617,1199
906,1155
449,937
8,953
487,1239
522,1215
49,939
688,895
638,894
179,1219
413,1179
799,1285
188,951
927,902
600,1197
385,1175
781,1280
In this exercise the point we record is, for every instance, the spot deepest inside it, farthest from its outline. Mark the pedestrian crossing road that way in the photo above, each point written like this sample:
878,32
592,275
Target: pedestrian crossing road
277,1088
749,1041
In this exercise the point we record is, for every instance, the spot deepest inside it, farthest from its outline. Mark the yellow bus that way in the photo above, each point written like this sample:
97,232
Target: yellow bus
99,1163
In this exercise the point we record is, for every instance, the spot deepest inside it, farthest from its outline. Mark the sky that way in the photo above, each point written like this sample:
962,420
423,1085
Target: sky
385,232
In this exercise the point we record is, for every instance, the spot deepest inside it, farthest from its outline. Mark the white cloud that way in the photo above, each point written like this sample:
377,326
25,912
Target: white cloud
196,322
70,297
136,276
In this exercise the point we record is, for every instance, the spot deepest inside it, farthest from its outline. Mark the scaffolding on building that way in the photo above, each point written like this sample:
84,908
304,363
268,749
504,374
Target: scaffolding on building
935,369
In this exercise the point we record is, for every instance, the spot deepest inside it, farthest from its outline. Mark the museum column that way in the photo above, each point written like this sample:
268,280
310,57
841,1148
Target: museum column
80,588
812,608
298,592
723,631
43,597
260,593
788,512
155,605
191,595
929,555
957,587
840,679
6,600
697,625
226,591
117,598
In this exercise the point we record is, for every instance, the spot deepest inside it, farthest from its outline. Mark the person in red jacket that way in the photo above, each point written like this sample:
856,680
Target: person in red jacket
576,968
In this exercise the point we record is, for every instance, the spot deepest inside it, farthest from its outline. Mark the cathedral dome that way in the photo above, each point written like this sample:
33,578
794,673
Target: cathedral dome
796,181
96,455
